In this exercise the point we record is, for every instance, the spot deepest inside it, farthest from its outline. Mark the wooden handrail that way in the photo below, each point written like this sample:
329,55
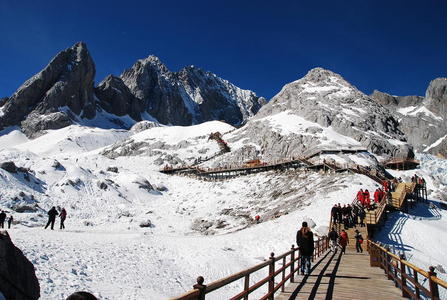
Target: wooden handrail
395,268
321,246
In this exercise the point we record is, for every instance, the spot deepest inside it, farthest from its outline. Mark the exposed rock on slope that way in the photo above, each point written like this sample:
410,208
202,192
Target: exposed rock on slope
421,119
321,110
66,81
18,279
190,96
116,98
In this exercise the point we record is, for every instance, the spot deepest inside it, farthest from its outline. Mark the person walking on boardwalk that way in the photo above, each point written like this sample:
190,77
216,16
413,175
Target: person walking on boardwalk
367,199
10,221
343,241
334,212
52,213
63,216
360,197
2,219
305,242
358,241
333,238
362,215
339,213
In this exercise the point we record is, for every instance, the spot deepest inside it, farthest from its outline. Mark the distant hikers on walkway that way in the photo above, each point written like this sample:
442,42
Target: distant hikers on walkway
305,242
52,214
349,216
3,219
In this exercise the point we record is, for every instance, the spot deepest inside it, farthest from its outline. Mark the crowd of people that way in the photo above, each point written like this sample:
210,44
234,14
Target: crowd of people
348,215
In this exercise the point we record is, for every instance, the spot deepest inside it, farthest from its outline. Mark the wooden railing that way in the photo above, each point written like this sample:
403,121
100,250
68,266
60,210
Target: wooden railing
290,265
405,275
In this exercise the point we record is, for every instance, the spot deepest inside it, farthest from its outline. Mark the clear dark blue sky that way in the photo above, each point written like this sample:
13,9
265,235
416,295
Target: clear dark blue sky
393,46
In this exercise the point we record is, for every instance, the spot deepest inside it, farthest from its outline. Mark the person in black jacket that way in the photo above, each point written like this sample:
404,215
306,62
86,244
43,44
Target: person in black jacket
51,217
333,238
358,241
10,221
305,242
2,219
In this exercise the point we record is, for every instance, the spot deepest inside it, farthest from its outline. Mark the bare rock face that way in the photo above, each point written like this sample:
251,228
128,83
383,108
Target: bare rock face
436,96
116,98
190,96
18,279
67,81
421,119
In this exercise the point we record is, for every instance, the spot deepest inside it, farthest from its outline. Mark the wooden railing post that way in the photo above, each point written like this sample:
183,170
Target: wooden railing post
272,275
434,291
292,265
201,287
402,276
246,285
416,288
283,273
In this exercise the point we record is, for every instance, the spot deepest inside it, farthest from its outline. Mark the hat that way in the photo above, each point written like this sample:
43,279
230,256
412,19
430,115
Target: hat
356,230
304,224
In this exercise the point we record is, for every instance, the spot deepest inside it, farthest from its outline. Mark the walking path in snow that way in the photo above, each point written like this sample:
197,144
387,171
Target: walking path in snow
342,276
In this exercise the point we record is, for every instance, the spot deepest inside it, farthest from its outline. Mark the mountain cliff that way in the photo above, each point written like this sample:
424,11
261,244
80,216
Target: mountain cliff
190,96
422,119
67,81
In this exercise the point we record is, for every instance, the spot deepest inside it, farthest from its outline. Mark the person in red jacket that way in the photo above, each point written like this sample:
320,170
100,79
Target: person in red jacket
367,199
343,241
63,216
377,196
360,197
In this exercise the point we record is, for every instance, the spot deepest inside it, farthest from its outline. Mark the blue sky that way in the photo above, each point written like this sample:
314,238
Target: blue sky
393,46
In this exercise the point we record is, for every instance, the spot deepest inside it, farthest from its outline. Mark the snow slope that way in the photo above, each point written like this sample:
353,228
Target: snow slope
197,227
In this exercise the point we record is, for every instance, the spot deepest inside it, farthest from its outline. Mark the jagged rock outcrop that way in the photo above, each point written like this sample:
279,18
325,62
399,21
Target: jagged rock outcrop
395,102
190,96
421,119
143,125
325,98
17,276
116,98
436,96
65,85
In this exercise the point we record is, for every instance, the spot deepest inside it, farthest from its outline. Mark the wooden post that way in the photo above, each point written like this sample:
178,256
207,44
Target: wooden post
434,291
246,285
201,287
402,276
292,266
283,273
416,288
271,275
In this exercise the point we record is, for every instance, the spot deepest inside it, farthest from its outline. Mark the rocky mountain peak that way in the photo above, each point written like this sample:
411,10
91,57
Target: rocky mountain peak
327,99
67,81
189,96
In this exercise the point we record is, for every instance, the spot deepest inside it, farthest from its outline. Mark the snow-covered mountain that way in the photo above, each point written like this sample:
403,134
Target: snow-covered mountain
190,96
422,119
63,93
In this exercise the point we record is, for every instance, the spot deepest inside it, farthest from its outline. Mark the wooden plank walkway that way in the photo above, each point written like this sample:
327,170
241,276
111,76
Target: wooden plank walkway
342,276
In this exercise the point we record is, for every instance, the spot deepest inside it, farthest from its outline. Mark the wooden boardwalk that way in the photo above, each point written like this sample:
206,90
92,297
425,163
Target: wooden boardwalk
342,276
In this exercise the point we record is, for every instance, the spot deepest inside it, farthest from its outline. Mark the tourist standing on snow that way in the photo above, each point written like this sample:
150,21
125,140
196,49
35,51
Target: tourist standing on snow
2,219
305,242
10,221
333,237
52,213
358,241
63,216
344,241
